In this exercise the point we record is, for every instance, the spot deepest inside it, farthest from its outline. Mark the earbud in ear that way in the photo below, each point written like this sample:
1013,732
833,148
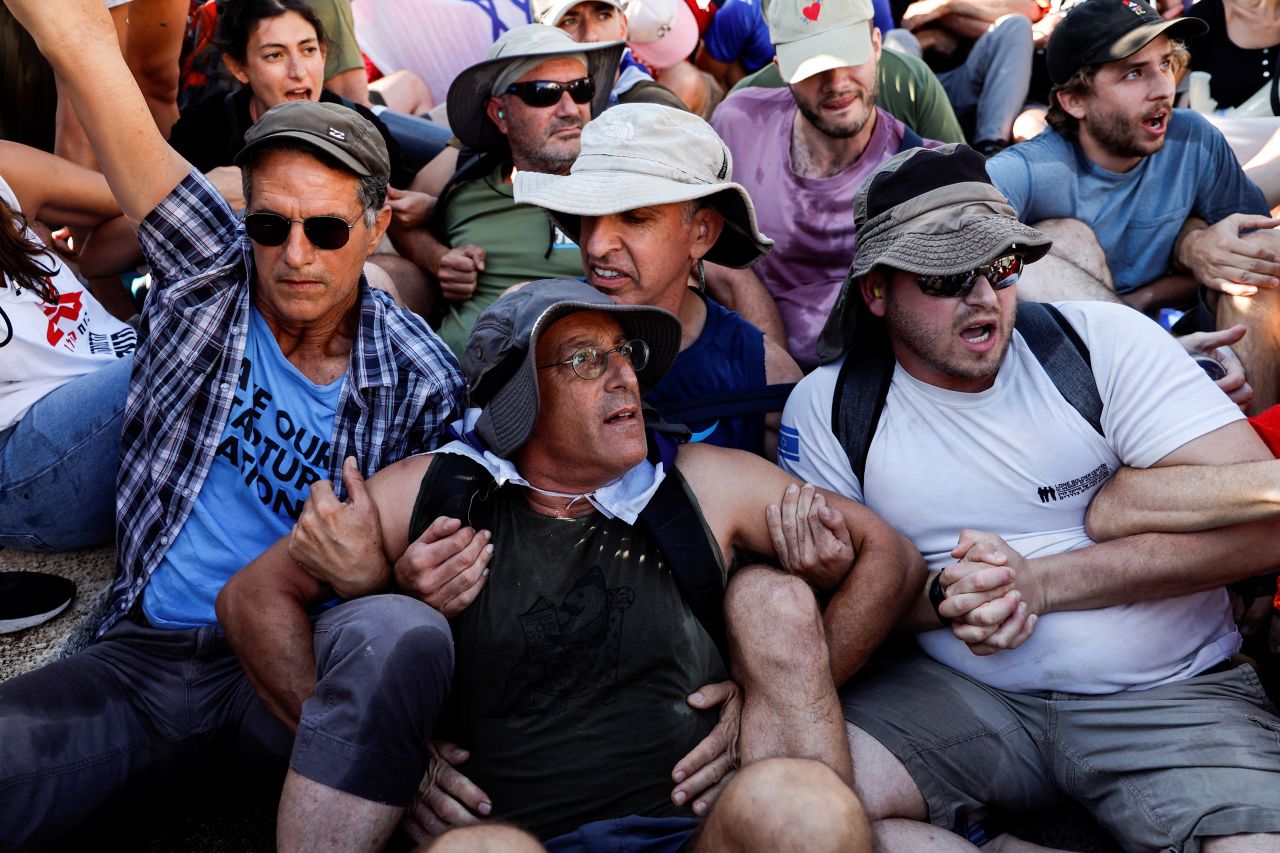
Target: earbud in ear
875,291
501,114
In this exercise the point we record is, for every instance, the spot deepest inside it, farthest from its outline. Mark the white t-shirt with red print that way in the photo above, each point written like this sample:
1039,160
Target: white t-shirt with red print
44,346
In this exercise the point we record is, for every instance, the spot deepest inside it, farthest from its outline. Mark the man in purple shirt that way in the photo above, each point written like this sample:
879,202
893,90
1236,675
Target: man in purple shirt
806,149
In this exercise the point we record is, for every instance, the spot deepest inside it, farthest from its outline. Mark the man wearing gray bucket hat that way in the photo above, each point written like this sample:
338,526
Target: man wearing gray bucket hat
649,199
578,635
265,364
522,109
984,438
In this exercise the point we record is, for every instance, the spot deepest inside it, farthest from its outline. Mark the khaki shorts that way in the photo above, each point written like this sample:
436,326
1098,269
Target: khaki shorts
1160,769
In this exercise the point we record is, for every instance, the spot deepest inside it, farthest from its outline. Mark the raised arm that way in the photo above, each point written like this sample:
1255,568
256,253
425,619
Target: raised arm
866,602
79,40
54,190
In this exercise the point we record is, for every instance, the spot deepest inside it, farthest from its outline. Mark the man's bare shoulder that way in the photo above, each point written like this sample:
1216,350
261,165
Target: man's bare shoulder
399,482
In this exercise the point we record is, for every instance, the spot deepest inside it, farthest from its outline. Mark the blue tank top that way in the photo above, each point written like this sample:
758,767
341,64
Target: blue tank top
727,356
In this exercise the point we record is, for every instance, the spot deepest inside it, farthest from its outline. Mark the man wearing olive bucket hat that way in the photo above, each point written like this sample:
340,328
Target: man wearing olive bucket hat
576,663
1048,665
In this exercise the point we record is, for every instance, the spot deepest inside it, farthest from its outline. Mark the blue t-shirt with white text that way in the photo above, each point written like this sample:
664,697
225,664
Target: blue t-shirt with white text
275,445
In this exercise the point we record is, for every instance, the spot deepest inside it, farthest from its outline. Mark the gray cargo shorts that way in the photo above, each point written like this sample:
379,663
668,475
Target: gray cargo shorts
1160,769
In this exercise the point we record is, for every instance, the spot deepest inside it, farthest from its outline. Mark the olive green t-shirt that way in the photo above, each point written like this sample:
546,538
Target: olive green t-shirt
571,672
520,245
909,92
343,52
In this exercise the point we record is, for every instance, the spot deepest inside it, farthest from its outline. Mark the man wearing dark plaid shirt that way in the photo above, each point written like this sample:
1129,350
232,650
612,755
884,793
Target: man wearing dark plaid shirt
265,362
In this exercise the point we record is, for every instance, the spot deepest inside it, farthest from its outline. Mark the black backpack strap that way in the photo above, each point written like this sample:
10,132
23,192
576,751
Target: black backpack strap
910,139
1064,356
861,389
729,404
677,528
455,486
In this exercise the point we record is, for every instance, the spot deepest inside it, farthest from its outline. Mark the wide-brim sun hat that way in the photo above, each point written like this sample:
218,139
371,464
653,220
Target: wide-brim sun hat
641,155
499,361
930,211
469,95
661,32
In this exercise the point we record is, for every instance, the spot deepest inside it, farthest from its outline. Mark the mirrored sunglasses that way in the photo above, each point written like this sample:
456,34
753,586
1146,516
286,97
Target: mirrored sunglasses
1001,273
591,362
324,232
546,93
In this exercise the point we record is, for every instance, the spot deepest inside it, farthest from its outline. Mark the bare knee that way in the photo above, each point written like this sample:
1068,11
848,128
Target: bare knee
485,838
773,621
881,781
787,804
1074,240
1248,843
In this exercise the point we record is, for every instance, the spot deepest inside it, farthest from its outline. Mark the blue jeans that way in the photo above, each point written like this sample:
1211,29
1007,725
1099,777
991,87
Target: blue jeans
58,465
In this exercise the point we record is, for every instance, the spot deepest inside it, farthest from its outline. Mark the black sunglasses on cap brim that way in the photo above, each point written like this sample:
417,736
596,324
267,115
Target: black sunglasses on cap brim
324,232
546,93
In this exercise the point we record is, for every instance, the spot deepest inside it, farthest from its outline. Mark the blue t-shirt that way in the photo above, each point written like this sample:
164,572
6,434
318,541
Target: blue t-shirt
738,31
727,356
1136,215
275,445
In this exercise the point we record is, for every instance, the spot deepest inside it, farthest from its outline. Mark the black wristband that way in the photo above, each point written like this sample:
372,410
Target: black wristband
937,596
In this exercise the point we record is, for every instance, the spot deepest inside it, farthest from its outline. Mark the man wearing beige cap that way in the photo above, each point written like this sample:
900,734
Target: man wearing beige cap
1049,665
264,362
520,110
807,149
650,198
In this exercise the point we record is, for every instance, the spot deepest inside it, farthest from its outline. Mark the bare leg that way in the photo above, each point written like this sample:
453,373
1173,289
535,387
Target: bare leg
1259,350
485,838
779,658
152,49
1075,268
404,92
417,291
786,804
316,817
1251,843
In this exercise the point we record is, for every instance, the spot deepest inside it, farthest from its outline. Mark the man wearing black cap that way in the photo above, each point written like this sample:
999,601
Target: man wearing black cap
1103,672
264,362
574,661
1157,189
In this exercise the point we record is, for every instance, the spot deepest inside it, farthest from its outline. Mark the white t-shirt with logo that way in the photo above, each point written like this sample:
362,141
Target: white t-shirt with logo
1017,460
44,346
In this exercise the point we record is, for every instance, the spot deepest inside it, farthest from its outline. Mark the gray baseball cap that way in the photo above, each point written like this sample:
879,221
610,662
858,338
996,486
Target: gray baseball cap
338,131
638,155
498,361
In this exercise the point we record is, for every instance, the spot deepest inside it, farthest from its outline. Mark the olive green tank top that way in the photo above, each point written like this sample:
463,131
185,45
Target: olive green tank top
572,668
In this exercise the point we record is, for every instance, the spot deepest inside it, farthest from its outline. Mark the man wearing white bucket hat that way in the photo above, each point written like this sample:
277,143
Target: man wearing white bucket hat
650,198
810,147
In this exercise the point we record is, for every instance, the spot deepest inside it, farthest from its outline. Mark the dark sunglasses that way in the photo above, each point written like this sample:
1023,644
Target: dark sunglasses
1001,273
546,93
324,232
591,362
